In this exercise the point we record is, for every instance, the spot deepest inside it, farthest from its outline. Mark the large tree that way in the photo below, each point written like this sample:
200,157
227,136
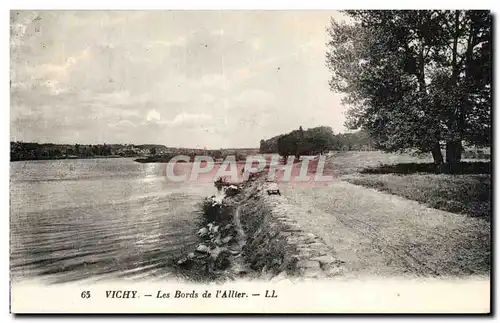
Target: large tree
415,79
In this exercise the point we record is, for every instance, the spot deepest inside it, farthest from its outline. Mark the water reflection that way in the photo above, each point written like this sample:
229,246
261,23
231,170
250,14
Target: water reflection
113,221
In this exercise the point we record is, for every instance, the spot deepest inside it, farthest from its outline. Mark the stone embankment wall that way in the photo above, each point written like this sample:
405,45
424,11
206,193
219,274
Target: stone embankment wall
275,245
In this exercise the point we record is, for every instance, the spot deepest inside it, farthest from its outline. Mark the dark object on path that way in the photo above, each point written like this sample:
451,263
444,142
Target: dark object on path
273,189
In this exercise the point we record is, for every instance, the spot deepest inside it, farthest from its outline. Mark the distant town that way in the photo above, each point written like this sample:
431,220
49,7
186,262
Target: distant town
46,151
313,141
35,151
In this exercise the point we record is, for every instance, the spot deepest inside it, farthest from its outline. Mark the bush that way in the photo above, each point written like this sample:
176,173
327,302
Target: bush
215,212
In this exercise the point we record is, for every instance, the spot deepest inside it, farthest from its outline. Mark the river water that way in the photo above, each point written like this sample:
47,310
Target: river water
99,219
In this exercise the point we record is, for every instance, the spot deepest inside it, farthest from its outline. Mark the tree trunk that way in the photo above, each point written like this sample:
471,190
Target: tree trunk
437,155
454,146
453,152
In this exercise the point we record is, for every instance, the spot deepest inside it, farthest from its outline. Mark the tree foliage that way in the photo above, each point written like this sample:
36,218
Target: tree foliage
415,79
314,141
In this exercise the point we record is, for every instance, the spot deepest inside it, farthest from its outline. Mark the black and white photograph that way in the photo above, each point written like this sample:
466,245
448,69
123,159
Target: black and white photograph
250,161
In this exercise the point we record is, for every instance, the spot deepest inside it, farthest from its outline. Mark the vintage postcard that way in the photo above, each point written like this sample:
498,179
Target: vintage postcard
219,161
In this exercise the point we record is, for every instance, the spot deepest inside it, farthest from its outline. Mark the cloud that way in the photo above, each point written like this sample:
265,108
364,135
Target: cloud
179,41
214,80
256,43
116,99
255,98
60,71
50,76
123,124
153,115
193,118
182,119
102,18
205,78
243,73
217,32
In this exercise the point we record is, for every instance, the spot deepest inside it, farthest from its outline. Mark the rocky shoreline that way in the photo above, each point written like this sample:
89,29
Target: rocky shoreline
219,253
246,234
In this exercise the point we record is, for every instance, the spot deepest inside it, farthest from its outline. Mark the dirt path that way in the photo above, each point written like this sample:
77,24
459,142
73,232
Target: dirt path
386,235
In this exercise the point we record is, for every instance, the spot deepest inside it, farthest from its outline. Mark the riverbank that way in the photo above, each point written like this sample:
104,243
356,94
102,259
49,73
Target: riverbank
218,255
247,234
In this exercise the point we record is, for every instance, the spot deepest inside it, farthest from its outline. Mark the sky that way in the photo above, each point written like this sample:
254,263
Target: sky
214,79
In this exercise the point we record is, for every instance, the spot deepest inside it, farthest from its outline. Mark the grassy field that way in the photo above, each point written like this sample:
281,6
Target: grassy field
351,162
415,178
465,194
